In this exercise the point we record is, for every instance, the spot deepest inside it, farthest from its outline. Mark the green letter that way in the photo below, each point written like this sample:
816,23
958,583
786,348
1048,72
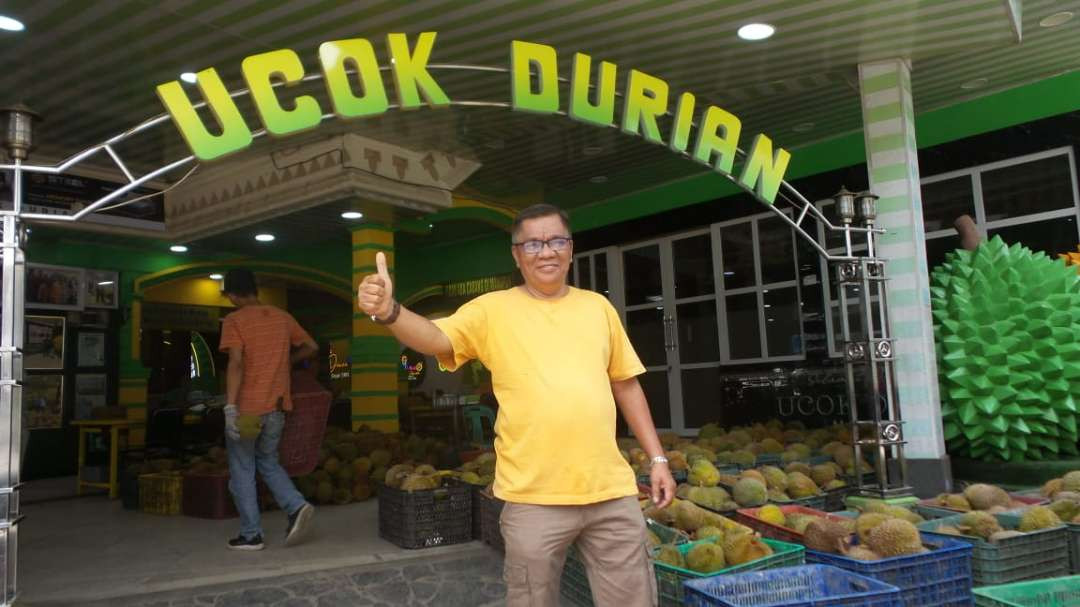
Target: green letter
764,169
684,119
724,145
603,113
359,52
523,55
235,134
410,72
258,70
644,107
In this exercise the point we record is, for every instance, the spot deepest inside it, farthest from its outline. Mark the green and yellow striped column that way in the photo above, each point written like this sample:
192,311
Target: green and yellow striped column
133,376
893,162
375,353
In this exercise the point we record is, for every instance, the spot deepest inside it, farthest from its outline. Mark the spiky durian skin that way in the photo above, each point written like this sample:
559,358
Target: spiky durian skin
1007,327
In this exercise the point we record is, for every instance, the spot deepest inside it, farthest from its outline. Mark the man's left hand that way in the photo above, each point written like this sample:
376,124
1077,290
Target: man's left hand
663,485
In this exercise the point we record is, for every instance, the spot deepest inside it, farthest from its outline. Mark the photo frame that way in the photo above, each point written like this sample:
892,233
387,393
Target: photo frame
43,400
102,289
91,349
91,391
43,346
97,318
55,287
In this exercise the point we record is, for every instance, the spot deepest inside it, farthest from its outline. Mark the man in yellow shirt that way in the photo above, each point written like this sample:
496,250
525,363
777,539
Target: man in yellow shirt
561,364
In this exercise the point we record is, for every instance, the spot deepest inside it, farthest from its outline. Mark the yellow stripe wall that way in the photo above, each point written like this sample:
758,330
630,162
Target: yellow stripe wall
374,351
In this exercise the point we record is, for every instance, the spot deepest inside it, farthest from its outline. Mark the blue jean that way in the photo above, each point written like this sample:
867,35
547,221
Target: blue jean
247,456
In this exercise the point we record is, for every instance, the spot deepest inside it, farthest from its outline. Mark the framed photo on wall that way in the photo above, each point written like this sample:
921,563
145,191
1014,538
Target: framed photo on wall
91,349
43,400
102,289
54,287
90,392
44,342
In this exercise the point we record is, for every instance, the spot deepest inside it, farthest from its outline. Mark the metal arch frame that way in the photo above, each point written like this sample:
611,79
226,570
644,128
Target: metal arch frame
14,276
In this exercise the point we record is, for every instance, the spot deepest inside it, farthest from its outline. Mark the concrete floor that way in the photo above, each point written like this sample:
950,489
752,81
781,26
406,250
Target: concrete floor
74,551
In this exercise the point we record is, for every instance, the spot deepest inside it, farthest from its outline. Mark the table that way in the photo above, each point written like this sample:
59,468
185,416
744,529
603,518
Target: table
99,426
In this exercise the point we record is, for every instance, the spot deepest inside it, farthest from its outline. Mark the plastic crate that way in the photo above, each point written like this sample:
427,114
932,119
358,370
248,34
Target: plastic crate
929,509
936,578
680,476
490,511
803,586
835,498
1058,592
750,518
161,493
305,425
421,519
1035,555
667,535
670,579
207,496
1074,547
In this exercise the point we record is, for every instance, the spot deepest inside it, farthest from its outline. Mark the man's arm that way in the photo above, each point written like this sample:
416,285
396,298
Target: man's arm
304,351
375,296
631,401
234,375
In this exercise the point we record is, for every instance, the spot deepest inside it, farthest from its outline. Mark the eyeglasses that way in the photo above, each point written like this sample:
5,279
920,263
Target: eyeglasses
533,247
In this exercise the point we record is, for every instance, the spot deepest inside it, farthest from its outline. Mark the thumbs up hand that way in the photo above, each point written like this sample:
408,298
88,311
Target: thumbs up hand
375,296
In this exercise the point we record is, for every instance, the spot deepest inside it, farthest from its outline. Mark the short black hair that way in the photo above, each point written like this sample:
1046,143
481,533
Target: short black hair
539,210
240,282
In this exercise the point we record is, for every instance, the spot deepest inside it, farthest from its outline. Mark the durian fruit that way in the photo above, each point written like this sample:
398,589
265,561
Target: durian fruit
689,516
709,532
867,522
714,498
742,548
750,493
361,491
743,458
772,514
1007,344
800,467
654,540
1071,482
980,524
822,474
775,478
342,496
1052,486
755,475
824,535
397,474
669,554
956,502
895,537
948,530
419,482
1065,510
1038,517
706,557
903,513
703,474
324,492
834,484
861,553
801,485
984,497
799,522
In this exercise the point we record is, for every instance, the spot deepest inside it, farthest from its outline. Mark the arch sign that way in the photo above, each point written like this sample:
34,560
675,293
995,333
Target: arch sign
351,65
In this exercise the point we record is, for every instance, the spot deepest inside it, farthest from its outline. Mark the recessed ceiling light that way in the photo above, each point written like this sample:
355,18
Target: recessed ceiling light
178,248
803,127
977,83
264,237
105,283
352,215
592,150
1056,19
756,31
216,276
729,273
598,179
11,25
189,77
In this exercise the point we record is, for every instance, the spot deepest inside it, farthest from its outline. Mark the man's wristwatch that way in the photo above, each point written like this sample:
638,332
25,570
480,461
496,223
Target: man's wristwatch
659,459
389,319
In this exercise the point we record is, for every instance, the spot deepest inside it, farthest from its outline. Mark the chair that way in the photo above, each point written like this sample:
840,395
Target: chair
474,422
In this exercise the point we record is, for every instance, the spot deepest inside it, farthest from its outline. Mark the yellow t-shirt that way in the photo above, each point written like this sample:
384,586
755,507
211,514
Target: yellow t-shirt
552,364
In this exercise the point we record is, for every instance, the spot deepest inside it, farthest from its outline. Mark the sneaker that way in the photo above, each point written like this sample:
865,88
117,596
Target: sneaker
299,525
242,543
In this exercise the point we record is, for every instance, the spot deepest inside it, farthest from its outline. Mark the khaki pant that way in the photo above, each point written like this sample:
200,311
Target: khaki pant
612,540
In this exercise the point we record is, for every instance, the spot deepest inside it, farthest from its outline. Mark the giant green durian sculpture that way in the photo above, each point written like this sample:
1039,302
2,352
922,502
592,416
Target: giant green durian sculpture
1007,326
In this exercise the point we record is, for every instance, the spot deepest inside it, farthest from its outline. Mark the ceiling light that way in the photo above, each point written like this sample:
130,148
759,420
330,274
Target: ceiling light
975,84
1056,19
803,127
264,237
11,25
598,179
756,31
729,273
592,150
768,305
178,248
352,215
105,283
189,77
216,276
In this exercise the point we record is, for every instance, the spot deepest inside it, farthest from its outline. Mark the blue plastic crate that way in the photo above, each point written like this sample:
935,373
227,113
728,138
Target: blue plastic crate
931,579
803,586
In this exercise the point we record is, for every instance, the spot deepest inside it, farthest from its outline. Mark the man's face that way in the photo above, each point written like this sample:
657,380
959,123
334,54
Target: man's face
547,267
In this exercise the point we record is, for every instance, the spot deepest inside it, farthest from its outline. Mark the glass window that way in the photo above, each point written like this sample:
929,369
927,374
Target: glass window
584,275
944,201
744,336
1052,236
693,266
699,340
737,246
777,250
783,326
601,286
938,248
700,388
647,331
1028,188
642,275
655,386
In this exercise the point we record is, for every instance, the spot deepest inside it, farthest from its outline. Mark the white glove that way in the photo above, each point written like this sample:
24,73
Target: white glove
231,429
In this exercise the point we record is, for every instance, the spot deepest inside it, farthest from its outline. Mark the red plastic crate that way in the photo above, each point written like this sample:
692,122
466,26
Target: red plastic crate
749,517
305,425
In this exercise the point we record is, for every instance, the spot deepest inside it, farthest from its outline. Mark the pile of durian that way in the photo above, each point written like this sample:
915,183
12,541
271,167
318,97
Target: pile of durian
979,497
987,527
798,521
1064,496
724,543
880,531
752,488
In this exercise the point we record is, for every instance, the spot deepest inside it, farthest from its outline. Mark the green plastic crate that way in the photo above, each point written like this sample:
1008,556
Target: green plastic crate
1057,592
1035,555
1074,547
669,578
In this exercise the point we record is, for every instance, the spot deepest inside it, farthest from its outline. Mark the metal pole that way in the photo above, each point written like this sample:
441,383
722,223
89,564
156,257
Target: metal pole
11,376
